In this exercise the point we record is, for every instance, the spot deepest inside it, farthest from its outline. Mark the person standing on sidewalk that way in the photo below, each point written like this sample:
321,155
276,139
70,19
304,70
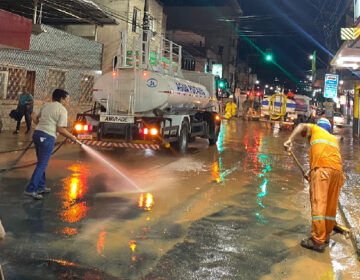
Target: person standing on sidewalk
25,107
326,179
51,118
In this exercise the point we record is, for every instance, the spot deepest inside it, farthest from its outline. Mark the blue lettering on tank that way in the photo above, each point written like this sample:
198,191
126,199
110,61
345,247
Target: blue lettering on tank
189,88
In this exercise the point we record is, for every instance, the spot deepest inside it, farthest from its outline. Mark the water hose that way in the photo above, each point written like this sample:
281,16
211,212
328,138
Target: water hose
277,115
13,166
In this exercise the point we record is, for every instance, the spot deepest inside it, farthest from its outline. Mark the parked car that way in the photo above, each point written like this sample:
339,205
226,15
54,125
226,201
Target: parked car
339,119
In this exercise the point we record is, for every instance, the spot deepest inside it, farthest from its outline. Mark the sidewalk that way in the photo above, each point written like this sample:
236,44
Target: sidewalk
350,193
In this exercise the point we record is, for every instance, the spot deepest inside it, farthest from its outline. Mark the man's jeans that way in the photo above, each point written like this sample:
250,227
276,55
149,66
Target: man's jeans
44,144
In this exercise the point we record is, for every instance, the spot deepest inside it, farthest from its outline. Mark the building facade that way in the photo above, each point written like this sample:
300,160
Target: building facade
216,24
56,59
129,16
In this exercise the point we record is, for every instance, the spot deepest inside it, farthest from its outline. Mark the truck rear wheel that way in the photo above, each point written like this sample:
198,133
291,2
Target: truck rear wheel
182,143
214,133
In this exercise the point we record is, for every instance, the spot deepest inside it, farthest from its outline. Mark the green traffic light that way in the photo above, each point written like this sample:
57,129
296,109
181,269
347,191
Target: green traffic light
269,57
221,84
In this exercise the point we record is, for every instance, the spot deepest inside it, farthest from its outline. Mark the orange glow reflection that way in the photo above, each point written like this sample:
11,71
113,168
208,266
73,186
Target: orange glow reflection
74,189
146,201
215,172
74,213
69,231
101,244
132,245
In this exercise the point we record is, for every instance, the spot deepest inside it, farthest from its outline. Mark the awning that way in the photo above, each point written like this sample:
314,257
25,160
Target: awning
15,31
59,12
347,57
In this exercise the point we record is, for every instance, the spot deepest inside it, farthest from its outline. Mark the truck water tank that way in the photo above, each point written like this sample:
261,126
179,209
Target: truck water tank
149,90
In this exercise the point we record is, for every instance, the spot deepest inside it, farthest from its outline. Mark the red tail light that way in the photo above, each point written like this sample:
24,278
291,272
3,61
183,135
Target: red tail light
150,131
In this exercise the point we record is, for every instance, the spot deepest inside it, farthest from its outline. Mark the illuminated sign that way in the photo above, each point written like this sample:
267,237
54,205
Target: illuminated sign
356,9
331,85
217,69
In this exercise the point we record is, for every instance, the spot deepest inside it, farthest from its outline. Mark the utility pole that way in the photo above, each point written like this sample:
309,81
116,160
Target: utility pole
35,11
146,32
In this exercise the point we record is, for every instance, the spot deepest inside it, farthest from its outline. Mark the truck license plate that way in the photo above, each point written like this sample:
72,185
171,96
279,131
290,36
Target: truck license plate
84,136
116,119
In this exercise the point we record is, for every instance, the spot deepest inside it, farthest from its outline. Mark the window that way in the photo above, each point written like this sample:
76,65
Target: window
12,78
152,24
4,76
188,63
86,90
55,79
135,20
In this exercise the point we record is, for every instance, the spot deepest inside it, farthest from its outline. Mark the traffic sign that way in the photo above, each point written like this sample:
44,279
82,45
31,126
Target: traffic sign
331,84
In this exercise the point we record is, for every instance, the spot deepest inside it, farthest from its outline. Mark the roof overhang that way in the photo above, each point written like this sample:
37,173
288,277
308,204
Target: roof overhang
347,57
60,12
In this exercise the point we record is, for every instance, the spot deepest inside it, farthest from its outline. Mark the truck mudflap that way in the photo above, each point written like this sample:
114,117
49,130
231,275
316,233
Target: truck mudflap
106,144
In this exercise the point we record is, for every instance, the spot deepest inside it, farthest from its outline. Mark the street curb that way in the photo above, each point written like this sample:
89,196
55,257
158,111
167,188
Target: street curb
354,232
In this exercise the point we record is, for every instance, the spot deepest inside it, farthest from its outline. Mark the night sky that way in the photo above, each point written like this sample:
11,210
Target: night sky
295,34
290,28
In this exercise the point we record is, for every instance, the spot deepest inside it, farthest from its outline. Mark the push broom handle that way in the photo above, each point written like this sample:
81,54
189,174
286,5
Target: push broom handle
299,165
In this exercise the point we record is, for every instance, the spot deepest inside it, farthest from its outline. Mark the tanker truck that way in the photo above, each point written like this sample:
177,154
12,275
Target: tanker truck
146,103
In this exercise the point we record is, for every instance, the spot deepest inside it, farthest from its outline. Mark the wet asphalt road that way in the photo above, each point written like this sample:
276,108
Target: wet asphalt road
232,211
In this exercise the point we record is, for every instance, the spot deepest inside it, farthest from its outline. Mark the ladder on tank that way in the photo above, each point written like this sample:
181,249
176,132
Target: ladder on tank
141,56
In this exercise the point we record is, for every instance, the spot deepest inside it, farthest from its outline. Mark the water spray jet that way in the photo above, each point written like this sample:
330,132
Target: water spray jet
101,158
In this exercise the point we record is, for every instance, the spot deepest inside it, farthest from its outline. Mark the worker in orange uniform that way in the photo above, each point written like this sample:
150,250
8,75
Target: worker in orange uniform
326,179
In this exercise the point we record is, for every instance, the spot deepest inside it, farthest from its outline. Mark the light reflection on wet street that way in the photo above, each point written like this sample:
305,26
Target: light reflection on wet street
236,210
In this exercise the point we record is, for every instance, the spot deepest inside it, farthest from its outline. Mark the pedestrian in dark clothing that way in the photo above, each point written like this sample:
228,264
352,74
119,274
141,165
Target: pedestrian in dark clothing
50,119
25,108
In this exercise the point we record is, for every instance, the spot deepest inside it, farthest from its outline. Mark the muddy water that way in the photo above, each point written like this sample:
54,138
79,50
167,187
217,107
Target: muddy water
233,211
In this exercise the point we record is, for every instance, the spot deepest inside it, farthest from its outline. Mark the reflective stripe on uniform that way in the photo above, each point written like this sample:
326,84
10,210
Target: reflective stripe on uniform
308,130
323,142
318,218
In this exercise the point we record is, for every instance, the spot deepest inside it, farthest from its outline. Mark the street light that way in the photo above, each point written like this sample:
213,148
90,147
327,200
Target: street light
266,86
341,82
257,82
271,88
311,57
